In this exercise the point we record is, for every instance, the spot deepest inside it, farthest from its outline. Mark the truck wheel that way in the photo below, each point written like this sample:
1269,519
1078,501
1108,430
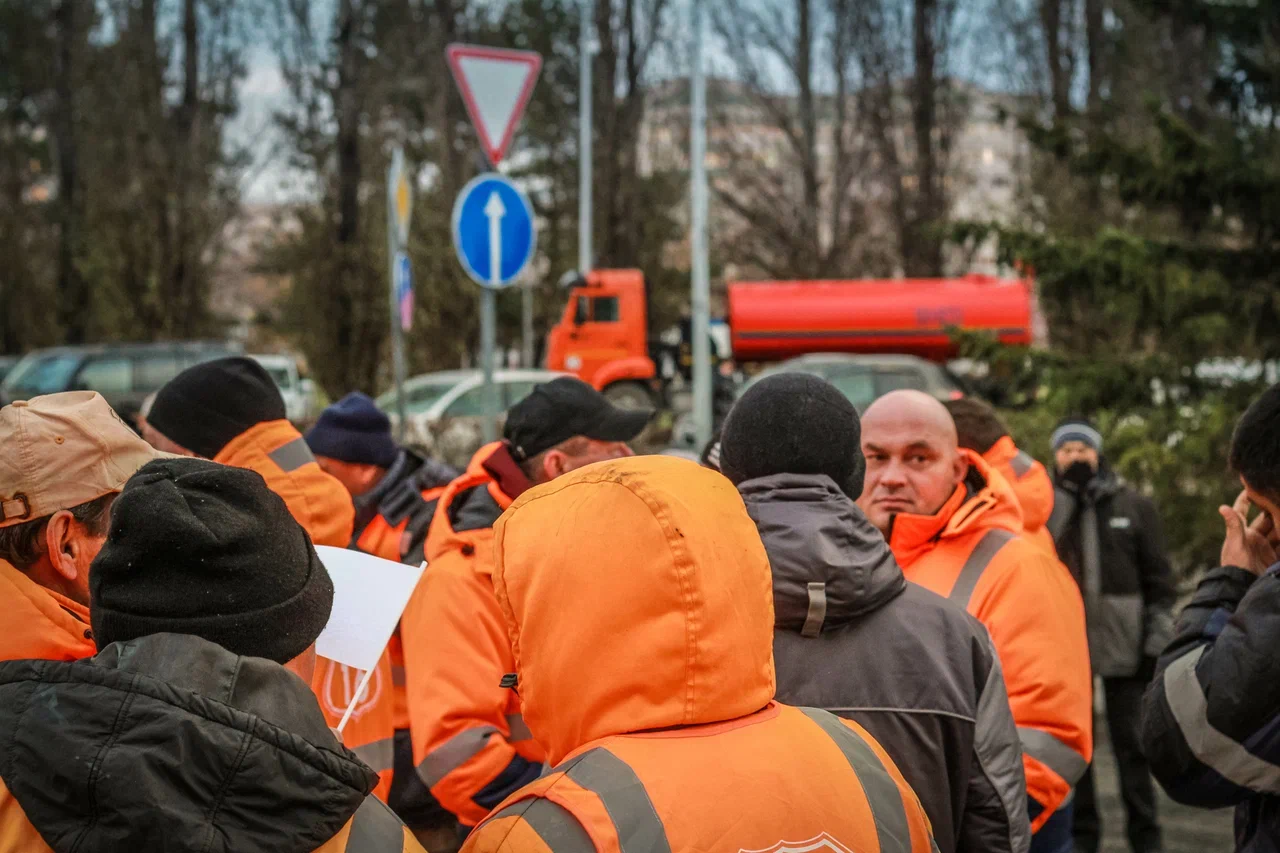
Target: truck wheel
629,395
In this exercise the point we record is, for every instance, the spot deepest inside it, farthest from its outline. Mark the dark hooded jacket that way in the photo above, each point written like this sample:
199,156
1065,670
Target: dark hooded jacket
1110,537
171,743
853,637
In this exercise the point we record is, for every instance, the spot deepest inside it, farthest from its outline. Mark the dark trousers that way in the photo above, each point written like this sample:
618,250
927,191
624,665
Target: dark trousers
1124,722
1055,835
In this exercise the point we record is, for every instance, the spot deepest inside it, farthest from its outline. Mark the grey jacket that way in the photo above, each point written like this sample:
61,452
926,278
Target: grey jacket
852,636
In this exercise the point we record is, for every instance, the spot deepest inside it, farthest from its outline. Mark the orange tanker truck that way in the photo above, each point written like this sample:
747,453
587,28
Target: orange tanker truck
603,336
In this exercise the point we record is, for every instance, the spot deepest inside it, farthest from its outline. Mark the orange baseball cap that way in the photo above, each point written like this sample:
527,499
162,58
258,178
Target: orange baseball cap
63,450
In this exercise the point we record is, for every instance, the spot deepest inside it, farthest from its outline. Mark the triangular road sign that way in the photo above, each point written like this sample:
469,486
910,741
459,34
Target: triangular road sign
496,85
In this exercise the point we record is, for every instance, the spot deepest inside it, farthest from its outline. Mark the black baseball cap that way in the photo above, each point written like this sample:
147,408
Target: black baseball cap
563,408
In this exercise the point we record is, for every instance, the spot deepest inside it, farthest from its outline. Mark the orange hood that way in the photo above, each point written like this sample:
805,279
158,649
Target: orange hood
637,596
1034,489
317,501
984,500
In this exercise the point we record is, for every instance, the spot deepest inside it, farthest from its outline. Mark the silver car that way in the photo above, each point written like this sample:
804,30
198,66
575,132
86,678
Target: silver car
445,410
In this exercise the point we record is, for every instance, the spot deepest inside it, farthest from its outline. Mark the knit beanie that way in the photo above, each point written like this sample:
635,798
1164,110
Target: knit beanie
354,430
793,423
200,548
1077,429
205,407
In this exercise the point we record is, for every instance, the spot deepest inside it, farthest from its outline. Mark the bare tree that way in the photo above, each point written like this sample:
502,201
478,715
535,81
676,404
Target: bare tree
788,178
72,290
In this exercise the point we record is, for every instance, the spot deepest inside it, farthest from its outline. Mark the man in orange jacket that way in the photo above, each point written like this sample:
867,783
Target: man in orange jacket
65,458
230,410
470,744
981,430
395,493
955,527
657,712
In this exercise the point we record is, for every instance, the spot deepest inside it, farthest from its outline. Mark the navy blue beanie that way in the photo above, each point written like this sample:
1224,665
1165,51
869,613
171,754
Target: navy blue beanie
354,430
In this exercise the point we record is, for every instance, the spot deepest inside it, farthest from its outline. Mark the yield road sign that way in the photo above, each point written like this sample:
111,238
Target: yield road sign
495,85
493,230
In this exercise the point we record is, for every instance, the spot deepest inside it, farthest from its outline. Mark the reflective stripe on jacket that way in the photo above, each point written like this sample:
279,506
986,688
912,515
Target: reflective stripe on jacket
322,505
470,744
40,623
971,552
637,599
636,794
1032,486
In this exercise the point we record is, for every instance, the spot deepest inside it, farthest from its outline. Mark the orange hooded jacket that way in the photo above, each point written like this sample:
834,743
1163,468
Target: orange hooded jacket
638,601
971,552
41,623
470,744
1032,486
323,507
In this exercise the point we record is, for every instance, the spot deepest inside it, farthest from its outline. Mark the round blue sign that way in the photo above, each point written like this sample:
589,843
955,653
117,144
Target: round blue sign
493,230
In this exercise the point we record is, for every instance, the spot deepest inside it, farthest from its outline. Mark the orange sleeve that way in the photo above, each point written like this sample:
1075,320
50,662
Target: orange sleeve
506,835
456,652
1035,615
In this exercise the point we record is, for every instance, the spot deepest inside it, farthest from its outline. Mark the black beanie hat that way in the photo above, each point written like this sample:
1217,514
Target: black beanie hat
354,430
205,407
206,549
793,423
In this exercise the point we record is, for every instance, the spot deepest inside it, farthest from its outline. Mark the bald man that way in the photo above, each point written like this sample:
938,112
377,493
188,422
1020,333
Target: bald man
955,527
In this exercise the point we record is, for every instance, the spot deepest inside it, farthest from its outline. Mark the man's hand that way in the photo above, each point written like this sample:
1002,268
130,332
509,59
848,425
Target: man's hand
1250,546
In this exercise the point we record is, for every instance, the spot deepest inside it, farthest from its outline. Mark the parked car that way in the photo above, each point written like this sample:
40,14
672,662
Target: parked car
122,373
445,409
861,378
6,364
298,391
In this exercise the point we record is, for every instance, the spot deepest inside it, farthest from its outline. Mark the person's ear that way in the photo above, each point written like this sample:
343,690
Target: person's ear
961,469
62,545
554,463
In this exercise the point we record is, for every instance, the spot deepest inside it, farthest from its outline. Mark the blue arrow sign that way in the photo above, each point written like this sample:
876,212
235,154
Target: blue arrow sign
493,230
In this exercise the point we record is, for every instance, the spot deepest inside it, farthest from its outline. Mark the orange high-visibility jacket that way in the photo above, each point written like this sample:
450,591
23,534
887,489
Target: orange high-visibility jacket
470,744
1031,485
40,623
322,505
973,552
638,601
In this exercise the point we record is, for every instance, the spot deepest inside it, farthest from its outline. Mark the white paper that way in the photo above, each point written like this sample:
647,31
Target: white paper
369,595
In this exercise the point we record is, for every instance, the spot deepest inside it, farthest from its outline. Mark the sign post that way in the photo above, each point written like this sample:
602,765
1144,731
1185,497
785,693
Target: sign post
399,206
493,228
494,237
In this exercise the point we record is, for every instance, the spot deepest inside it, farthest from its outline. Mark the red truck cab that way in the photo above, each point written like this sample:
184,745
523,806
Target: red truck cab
603,336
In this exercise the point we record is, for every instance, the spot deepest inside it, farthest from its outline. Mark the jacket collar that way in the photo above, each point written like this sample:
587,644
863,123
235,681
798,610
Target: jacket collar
45,624
816,536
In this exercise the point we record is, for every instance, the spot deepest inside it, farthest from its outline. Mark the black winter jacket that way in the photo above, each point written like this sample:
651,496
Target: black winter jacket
853,637
1211,718
399,496
1111,539
171,743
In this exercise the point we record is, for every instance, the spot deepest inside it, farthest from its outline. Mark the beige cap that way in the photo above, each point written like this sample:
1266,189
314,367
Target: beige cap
63,450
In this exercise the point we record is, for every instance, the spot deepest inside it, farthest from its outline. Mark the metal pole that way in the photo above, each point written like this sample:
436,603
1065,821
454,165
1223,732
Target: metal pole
700,300
488,334
397,334
526,343
586,48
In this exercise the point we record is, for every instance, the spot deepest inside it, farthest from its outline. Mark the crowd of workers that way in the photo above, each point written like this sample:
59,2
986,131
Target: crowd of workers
844,633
